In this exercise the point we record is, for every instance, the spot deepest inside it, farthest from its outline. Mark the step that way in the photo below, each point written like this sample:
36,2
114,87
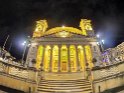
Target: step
63,81
64,85
66,80
67,76
64,91
66,88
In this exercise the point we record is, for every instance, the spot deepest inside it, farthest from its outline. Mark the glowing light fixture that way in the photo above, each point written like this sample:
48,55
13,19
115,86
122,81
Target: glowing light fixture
24,43
103,41
97,35
98,43
63,34
36,29
63,26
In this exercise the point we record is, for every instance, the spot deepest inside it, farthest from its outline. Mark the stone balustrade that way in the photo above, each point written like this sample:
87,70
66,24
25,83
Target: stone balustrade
108,77
106,71
19,71
18,77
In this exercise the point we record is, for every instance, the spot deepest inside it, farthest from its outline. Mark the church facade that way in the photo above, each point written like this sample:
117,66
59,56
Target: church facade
63,49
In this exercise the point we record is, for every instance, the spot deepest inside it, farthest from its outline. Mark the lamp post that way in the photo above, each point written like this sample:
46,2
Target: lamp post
100,42
23,54
25,44
3,48
5,42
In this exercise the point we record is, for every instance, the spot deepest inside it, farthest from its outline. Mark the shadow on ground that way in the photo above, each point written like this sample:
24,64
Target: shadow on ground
115,90
9,90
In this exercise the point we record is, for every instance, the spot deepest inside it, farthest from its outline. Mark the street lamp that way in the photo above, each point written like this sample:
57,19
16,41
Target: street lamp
100,42
23,54
63,26
103,41
5,42
25,44
97,35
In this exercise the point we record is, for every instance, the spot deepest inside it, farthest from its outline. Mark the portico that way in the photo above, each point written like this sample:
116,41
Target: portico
63,49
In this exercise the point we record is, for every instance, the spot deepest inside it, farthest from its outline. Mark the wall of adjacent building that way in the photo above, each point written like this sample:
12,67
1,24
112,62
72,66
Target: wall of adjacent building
108,77
113,55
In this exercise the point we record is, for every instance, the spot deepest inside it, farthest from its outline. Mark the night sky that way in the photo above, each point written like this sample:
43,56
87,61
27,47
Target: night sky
17,19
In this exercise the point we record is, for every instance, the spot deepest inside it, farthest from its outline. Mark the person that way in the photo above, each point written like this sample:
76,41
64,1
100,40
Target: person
88,72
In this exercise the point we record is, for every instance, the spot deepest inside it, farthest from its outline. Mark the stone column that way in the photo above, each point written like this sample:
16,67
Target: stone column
59,57
42,62
90,63
32,54
77,59
96,55
91,55
51,58
69,64
85,58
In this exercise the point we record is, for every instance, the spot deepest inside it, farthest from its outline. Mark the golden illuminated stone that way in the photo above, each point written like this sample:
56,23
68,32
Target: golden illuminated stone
85,25
41,27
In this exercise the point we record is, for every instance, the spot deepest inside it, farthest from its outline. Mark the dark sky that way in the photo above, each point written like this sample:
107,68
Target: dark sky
17,18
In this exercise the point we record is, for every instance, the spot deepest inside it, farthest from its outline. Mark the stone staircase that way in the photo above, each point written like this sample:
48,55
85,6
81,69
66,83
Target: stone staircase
64,86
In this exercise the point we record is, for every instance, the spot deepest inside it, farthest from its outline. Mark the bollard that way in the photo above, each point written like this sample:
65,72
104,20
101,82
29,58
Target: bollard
99,88
29,89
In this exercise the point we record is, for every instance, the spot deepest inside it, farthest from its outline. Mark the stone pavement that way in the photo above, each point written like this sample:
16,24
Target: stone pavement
121,91
2,91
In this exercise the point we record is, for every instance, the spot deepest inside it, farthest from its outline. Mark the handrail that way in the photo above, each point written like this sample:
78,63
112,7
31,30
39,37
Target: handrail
19,66
106,67
109,77
28,73
17,77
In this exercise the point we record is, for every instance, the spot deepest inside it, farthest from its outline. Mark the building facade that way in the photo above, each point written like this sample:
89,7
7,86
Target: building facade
63,49
114,55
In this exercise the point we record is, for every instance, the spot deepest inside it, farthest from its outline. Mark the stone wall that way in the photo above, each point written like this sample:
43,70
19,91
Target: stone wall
17,83
18,77
113,55
108,77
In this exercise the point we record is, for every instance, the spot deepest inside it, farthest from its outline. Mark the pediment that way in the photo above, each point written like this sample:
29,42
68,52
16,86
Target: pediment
65,29
64,34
